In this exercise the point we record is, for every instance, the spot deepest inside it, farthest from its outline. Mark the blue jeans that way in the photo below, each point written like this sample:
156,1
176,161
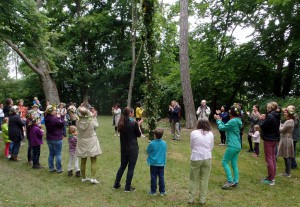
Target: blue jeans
231,155
157,171
55,147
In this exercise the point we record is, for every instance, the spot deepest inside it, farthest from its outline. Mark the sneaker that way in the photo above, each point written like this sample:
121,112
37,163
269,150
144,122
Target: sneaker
115,135
143,135
235,185
163,194
59,171
129,189
78,174
54,170
285,175
191,201
85,179
70,173
221,144
116,186
152,194
268,182
227,185
94,181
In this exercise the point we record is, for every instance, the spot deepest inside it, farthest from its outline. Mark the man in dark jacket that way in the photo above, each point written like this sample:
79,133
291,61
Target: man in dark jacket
15,131
270,134
175,112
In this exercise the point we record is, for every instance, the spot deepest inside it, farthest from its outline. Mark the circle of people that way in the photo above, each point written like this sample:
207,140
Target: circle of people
279,140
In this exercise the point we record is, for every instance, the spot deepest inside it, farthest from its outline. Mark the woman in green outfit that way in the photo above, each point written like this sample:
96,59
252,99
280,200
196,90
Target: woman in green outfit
232,129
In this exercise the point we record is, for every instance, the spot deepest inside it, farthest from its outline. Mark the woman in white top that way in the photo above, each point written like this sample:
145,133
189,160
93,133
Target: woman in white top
116,111
202,143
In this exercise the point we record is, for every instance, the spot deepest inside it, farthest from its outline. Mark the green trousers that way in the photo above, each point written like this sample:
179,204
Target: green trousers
199,176
93,166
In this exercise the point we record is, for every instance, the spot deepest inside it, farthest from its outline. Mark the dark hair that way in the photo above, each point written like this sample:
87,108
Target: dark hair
117,105
8,101
235,111
124,117
203,124
138,104
257,106
158,133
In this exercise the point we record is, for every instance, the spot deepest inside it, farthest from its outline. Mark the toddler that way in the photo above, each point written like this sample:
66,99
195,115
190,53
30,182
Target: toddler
157,153
36,140
255,139
72,152
6,140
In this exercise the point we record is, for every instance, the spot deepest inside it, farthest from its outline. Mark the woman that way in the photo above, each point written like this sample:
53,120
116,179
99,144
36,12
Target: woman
129,131
286,145
225,118
296,135
270,134
54,125
232,129
87,142
254,120
202,143
15,131
116,111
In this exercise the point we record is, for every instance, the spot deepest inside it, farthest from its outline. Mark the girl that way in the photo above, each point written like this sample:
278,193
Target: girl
232,129
72,151
202,143
286,146
255,139
87,142
129,132
116,111
138,114
36,140
225,118
5,137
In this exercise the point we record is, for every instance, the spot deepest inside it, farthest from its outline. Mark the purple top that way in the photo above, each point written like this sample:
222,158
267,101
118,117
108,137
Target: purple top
72,143
54,126
36,135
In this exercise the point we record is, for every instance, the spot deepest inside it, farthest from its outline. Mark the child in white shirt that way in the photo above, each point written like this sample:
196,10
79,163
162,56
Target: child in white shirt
255,139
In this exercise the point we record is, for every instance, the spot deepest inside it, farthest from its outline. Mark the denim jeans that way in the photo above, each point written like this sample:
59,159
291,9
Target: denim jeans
270,157
130,160
157,171
16,147
231,155
55,147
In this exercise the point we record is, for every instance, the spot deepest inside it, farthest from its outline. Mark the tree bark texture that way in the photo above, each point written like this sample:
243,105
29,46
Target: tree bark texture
188,100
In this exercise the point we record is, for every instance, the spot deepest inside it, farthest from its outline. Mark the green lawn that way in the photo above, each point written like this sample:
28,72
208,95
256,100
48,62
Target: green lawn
22,186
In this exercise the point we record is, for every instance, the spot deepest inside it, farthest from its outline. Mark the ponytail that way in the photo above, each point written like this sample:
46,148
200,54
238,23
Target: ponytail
124,118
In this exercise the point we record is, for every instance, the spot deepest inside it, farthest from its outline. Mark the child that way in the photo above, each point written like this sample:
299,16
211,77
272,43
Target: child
72,151
255,139
5,137
36,140
157,153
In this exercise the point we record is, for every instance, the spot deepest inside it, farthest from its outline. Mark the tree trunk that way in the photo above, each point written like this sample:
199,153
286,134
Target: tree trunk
43,71
287,83
49,86
85,96
188,100
278,79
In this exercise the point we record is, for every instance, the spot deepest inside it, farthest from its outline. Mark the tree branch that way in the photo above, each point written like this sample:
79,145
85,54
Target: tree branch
23,56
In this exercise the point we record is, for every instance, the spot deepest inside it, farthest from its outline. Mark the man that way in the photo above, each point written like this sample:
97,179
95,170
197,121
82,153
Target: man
174,110
203,111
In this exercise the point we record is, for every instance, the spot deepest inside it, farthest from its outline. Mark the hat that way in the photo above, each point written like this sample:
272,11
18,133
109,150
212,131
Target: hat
83,112
61,103
72,108
35,105
50,108
290,110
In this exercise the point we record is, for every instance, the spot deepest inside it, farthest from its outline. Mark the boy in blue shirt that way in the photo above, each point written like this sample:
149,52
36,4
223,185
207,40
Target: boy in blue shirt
157,153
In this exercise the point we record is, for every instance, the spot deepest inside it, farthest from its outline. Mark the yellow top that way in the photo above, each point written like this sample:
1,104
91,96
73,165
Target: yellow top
139,112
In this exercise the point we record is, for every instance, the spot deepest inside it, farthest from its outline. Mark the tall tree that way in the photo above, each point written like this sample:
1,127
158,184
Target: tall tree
24,31
188,100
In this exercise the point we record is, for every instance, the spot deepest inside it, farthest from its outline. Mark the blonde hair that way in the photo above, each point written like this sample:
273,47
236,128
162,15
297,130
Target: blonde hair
256,127
273,105
72,129
5,120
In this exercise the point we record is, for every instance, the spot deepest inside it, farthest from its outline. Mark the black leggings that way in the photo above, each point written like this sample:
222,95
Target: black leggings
288,164
36,151
130,160
223,137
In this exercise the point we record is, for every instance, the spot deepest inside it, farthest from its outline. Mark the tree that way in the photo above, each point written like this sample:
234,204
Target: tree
188,100
24,29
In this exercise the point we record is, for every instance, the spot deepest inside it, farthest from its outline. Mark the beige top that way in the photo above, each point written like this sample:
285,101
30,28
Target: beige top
87,140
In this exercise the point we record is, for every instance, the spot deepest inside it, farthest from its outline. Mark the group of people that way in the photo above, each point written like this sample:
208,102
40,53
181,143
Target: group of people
279,141
80,123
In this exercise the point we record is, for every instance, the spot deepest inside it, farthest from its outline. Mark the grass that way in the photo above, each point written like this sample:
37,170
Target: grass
22,186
